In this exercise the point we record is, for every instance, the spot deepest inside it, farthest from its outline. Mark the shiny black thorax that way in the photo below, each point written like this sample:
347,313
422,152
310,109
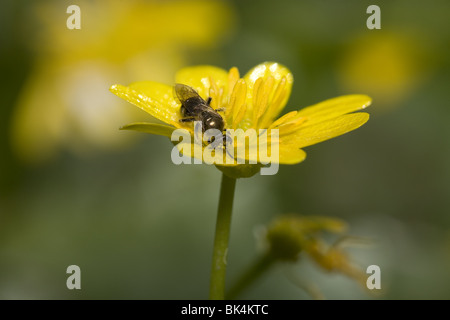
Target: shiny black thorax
195,108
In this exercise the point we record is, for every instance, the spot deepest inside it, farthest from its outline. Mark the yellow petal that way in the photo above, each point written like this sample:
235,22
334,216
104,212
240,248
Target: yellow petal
267,69
333,108
280,89
291,155
325,130
155,98
284,119
152,128
199,78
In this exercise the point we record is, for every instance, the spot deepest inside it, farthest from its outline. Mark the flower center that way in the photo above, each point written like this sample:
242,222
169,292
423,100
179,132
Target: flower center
249,105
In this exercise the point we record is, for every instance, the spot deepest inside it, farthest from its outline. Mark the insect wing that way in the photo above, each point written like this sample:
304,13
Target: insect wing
185,93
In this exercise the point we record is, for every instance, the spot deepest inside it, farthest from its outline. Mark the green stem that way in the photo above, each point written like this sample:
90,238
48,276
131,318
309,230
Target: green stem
219,263
255,270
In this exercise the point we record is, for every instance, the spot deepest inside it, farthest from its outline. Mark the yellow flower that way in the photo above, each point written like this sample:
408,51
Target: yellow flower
387,66
251,102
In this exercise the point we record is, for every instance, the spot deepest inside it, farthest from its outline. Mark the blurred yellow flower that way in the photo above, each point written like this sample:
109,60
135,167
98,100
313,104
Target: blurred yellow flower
386,66
63,104
251,102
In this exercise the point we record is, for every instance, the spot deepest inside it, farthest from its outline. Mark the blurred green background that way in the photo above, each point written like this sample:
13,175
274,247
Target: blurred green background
76,190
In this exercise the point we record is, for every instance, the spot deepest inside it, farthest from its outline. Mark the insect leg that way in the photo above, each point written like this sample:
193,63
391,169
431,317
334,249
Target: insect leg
208,101
189,119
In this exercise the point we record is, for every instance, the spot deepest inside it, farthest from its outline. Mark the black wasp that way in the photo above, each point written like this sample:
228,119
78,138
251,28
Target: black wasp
194,108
